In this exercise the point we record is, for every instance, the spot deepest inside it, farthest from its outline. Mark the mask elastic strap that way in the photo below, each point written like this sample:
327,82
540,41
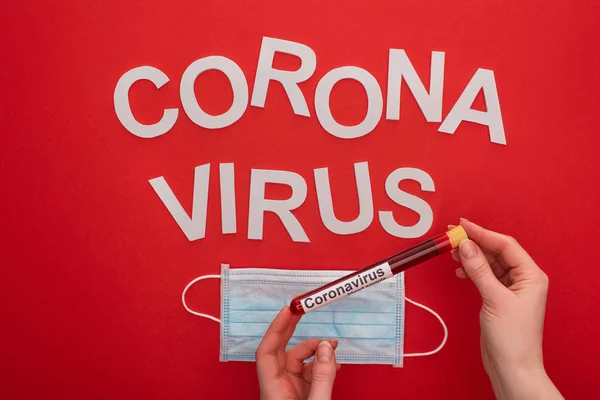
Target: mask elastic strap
428,353
190,285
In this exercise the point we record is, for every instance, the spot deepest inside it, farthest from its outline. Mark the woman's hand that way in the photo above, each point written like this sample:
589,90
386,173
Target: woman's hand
513,289
283,374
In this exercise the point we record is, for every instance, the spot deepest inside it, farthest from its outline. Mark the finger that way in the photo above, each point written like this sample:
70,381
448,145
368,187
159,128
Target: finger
509,254
499,270
323,372
285,339
307,371
505,247
455,255
304,350
307,349
460,272
308,367
267,361
477,268
290,329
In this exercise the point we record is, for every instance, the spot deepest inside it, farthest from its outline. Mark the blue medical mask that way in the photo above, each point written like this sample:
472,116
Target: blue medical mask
368,324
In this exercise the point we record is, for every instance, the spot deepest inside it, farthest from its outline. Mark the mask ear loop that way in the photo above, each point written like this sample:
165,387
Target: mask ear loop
198,279
429,353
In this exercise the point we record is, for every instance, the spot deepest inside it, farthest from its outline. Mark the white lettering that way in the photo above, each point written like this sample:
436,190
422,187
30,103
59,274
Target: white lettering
227,186
194,228
492,118
410,201
288,79
430,103
238,85
283,208
374,102
365,200
123,108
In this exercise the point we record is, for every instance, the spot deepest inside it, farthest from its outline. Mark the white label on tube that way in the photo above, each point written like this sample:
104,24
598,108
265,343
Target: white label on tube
348,286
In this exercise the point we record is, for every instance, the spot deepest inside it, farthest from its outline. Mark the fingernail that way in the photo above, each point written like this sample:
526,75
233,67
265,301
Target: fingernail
467,249
324,352
332,342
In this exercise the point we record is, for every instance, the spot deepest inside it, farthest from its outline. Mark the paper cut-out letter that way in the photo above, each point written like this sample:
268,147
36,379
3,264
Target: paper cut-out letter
123,108
410,201
227,186
288,79
238,84
365,201
194,228
374,102
400,68
492,118
283,208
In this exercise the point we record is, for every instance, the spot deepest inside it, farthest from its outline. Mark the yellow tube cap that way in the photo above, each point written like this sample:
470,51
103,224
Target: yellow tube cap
457,235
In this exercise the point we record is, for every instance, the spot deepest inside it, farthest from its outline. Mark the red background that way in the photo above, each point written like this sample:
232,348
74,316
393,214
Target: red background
93,265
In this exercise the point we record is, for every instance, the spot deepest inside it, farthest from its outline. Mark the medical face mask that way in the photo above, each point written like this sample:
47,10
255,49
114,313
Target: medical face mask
368,324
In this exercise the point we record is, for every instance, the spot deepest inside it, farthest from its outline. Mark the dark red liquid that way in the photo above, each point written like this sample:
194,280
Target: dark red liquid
398,263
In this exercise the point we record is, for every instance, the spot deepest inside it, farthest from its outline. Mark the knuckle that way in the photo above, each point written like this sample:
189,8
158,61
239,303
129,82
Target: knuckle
258,353
483,233
480,269
323,374
511,241
544,280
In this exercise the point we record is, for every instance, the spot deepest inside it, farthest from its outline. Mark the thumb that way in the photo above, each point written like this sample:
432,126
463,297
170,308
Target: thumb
479,271
323,373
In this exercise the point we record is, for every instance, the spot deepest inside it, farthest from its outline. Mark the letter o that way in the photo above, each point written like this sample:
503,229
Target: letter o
374,102
317,300
238,85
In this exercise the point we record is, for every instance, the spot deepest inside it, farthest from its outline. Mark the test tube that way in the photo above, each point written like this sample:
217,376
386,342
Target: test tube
378,272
